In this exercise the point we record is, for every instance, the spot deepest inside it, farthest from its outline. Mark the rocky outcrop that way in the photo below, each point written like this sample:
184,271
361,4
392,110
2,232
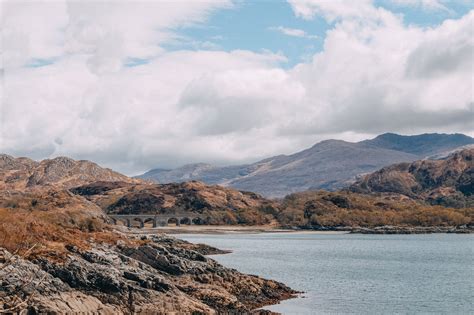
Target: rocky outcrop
154,275
25,286
447,182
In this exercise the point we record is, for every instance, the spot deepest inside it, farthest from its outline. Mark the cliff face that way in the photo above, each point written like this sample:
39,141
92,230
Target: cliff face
447,182
60,172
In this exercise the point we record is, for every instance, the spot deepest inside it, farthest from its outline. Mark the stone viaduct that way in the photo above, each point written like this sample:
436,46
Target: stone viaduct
157,219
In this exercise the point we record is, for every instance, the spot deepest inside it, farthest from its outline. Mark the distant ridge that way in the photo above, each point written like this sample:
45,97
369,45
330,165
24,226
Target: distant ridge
330,164
422,145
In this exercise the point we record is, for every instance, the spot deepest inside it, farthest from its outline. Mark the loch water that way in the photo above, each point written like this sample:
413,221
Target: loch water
358,274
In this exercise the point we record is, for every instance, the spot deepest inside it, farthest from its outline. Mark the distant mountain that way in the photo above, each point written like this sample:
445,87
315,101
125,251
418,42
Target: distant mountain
448,182
184,173
421,145
23,173
331,164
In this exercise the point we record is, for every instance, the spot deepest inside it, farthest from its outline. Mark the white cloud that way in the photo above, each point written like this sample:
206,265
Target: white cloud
374,74
381,76
295,32
106,31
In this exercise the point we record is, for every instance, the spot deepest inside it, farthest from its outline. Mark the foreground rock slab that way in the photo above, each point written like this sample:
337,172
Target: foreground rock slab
157,274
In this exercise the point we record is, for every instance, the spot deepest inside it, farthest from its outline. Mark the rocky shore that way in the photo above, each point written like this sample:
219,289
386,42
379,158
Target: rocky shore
413,230
389,229
151,274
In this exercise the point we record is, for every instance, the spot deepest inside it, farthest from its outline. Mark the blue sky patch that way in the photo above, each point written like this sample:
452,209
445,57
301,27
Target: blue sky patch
253,25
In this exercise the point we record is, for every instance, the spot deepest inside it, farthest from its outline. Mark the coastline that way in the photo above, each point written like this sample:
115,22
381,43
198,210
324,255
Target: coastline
223,229
139,274
257,229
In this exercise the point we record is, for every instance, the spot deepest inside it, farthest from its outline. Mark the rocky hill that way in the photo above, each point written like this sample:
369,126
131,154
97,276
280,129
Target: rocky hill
371,213
218,205
24,173
331,164
447,182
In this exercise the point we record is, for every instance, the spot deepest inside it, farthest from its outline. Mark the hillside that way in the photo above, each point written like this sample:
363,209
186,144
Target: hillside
447,182
60,172
330,165
216,204
377,213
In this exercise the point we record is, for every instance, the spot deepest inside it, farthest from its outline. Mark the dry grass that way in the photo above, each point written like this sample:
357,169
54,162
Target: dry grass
49,221
47,232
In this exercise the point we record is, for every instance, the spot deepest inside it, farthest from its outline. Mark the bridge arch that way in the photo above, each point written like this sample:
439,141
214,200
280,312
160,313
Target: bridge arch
186,221
121,221
197,221
173,220
139,221
149,220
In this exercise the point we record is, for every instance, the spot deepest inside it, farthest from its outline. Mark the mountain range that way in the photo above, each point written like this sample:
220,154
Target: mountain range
330,164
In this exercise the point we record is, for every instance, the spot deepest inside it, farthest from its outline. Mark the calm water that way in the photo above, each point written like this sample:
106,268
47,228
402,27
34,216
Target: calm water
349,273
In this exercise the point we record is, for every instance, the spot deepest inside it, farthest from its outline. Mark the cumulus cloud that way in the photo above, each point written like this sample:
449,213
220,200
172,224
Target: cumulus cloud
105,31
295,32
386,76
374,74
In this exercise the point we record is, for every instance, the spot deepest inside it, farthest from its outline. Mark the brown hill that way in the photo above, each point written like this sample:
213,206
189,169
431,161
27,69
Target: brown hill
447,182
348,210
219,204
60,172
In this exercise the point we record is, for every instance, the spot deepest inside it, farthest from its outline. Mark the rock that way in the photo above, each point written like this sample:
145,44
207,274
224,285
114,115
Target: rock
40,292
155,274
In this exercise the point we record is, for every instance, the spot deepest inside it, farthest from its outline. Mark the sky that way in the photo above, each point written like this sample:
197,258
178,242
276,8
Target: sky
135,85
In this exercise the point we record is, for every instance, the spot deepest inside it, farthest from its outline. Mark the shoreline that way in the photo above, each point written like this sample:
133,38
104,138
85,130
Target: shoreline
259,229
224,229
